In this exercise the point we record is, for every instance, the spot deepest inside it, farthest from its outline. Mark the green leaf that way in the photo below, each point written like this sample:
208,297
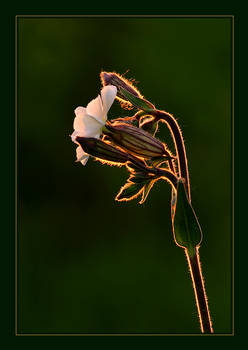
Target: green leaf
146,190
186,228
129,191
137,101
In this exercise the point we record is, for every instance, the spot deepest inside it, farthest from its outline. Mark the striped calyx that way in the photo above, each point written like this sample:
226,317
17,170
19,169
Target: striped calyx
135,140
102,150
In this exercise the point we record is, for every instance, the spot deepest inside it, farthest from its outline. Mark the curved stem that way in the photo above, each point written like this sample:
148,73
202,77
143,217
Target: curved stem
192,257
179,144
199,290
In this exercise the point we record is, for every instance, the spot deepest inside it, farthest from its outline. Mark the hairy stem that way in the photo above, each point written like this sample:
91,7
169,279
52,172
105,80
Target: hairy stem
192,257
199,290
179,144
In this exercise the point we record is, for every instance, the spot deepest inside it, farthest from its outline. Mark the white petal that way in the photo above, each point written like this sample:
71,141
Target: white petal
81,155
85,125
95,109
74,135
85,160
108,94
78,121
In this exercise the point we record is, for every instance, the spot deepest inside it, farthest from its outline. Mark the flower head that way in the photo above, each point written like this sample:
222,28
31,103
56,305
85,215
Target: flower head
128,95
90,120
112,78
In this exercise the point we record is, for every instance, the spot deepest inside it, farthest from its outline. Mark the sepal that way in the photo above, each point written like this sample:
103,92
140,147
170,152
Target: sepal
102,150
129,191
134,140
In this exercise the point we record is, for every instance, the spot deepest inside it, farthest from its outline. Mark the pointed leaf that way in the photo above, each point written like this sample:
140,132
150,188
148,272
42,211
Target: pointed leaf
187,230
129,191
147,188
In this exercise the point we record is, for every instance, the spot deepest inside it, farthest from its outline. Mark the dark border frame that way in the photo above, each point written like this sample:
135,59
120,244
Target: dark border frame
16,175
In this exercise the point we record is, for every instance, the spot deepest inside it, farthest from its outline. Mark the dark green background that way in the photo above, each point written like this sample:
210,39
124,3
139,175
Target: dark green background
88,264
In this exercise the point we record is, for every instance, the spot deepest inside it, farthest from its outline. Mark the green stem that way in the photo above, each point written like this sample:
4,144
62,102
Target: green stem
199,290
178,142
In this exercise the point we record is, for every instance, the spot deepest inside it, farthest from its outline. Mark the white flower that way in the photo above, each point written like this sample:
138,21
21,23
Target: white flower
90,120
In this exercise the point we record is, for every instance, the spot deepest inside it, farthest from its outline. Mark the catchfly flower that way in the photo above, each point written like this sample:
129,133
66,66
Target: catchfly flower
90,120
131,142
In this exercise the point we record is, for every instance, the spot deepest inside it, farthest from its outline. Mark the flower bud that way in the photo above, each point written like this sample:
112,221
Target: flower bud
136,141
102,150
126,92
111,78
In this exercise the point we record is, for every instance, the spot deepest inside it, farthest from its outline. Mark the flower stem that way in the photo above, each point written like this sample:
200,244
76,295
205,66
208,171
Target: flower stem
179,144
193,257
199,290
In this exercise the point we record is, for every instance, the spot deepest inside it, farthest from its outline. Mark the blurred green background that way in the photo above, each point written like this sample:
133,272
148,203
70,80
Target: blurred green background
88,264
